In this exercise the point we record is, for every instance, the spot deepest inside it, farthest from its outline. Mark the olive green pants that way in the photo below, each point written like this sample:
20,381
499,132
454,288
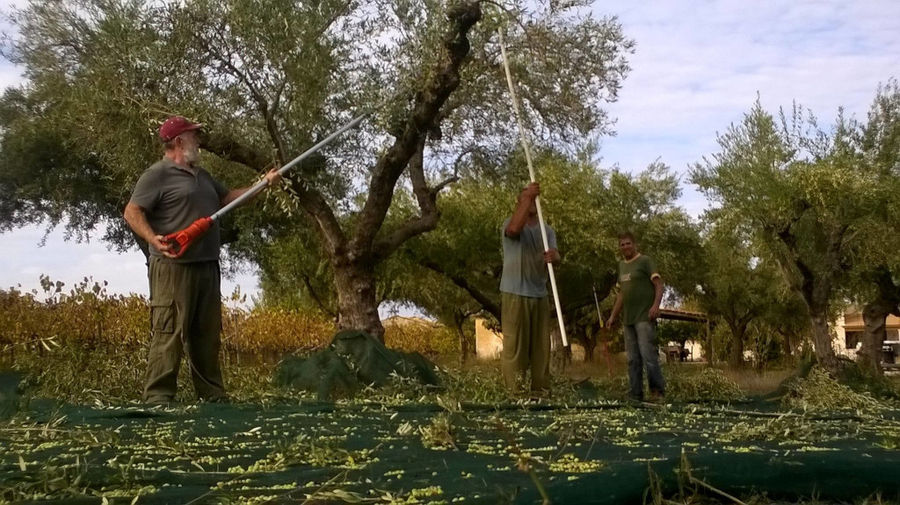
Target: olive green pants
185,317
526,340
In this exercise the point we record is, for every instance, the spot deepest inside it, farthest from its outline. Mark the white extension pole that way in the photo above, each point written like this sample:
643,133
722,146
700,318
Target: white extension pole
537,201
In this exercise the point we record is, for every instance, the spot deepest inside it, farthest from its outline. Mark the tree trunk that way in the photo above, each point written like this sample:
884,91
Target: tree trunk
590,344
357,305
822,339
559,354
463,342
736,357
874,315
788,347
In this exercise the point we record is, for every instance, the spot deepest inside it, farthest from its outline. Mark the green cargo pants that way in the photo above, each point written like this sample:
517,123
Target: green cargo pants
185,316
526,340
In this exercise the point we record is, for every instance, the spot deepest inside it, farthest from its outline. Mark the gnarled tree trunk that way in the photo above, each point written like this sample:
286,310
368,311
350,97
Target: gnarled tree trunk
874,316
823,339
736,355
357,304
463,345
815,286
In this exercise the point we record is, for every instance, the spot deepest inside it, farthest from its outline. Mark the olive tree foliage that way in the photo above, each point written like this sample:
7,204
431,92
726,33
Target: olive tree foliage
269,78
819,201
586,206
874,279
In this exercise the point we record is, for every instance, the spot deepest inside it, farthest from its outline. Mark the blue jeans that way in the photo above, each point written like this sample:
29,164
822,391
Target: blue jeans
641,349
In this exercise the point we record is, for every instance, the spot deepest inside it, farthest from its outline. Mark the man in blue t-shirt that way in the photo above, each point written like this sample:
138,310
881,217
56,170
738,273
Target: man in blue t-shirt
525,310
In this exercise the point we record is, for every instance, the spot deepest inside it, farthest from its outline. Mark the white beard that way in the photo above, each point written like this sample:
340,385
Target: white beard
192,155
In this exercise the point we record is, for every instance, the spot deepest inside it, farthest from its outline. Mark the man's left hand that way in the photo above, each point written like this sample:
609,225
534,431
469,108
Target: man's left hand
273,177
654,313
551,256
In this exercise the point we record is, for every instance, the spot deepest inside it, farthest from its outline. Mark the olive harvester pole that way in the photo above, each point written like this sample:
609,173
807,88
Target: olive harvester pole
524,139
181,240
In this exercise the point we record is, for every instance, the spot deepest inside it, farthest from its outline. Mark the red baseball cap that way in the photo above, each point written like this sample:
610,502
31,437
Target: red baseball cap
175,126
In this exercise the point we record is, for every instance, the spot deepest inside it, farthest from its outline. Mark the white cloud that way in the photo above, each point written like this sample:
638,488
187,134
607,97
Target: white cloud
10,75
698,68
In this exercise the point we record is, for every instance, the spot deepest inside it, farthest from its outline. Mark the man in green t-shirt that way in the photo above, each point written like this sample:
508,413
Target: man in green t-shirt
185,303
640,292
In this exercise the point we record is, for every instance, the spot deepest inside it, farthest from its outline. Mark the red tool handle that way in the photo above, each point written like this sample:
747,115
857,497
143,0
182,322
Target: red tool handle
181,240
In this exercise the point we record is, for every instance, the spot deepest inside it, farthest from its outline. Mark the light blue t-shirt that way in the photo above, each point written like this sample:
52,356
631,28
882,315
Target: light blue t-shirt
524,270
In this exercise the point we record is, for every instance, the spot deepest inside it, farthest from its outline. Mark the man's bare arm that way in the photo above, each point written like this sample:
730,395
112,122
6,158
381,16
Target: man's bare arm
657,299
617,308
520,215
137,220
272,176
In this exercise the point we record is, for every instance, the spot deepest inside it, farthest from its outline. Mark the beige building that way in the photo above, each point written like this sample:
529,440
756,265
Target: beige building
488,343
849,331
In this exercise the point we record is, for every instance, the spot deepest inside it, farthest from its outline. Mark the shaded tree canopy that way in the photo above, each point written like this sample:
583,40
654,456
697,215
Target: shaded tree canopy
270,77
587,206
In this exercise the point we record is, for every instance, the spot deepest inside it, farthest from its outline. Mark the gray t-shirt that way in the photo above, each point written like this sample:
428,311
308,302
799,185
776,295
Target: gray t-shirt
524,270
173,198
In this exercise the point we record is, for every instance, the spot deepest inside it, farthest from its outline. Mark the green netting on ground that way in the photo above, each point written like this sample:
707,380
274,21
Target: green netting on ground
351,451
353,360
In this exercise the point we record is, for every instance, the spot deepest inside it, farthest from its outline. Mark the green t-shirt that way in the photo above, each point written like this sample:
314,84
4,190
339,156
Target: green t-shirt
636,282
173,198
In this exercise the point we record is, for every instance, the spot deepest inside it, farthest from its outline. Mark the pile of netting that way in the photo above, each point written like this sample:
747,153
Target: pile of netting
352,361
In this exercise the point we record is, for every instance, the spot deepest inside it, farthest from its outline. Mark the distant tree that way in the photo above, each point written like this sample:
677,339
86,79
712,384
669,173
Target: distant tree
876,278
812,199
738,286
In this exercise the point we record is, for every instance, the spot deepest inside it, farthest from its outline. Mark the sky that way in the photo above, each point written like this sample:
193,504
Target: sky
698,67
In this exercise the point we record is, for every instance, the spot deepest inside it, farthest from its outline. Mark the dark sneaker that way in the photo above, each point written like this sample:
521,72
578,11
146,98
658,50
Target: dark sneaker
540,394
164,401
217,399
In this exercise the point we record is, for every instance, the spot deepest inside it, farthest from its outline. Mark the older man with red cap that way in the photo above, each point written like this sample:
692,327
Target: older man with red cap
186,307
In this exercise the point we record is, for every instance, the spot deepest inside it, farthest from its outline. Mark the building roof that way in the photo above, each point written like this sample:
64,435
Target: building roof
683,315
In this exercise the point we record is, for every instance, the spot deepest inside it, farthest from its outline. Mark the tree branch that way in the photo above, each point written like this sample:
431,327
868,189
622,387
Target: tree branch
426,108
427,198
417,177
312,294
230,149
310,199
484,300
262,104
808,278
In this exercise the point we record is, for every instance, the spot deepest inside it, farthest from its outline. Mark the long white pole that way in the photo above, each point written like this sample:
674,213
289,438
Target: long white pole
597,304
259,186
537,201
